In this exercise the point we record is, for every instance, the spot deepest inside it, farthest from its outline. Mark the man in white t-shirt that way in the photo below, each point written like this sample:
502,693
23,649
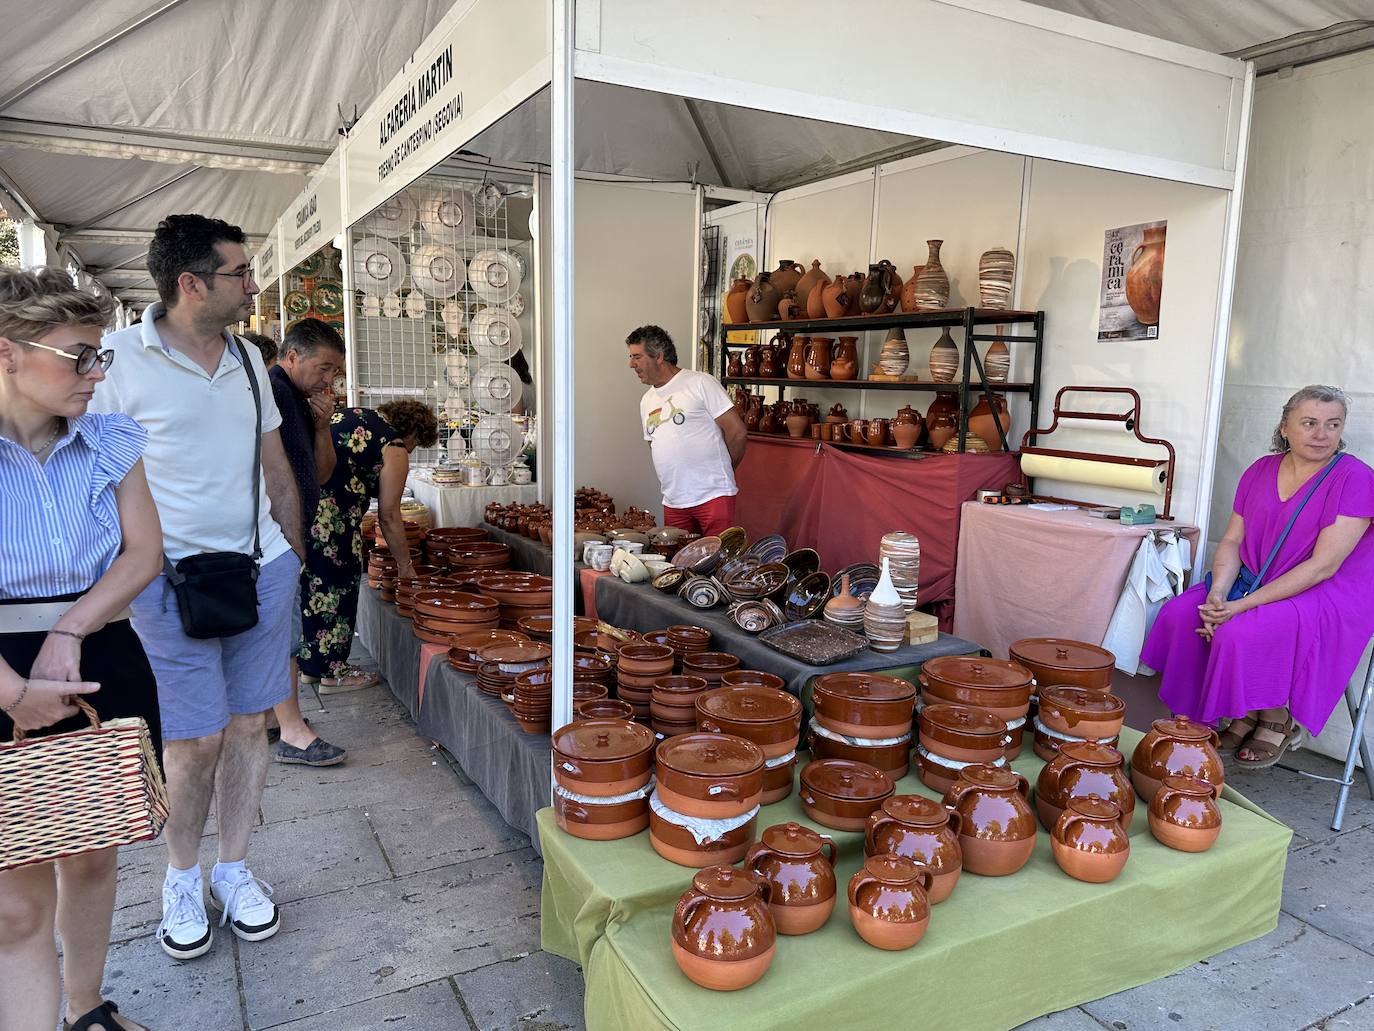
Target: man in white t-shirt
696,435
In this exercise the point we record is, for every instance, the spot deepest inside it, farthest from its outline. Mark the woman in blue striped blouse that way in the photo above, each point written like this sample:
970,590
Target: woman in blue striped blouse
79,538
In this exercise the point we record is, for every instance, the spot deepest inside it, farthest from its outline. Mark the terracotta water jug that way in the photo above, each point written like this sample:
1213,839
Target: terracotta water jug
982,422
1088,841
998,831
786,276
723,933
1145,277
942,418
818,358
889,904
854,289
923,830
793,860
1079,769
796,358
755,412
835,297
909,290
907,428
845,363
944,358
808,282
877,288
762,300
815,300
1176,746
741,400
768,421
1184,814
799,419
735,367
752,357
768,361
735,310
932,285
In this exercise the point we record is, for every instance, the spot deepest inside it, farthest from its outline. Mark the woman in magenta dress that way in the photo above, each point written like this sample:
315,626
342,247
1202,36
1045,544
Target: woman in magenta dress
1276,661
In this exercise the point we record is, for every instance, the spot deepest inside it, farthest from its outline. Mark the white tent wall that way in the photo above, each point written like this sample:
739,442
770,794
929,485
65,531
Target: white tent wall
1304,305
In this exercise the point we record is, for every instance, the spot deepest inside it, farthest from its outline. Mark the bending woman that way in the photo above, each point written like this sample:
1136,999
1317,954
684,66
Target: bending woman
81,538
373,449
1277,660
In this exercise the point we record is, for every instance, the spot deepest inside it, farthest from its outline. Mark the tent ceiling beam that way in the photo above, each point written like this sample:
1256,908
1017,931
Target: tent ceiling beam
90,223
881,157
89,50
128,263
9,186
695,115
1306,47
163,147
129,237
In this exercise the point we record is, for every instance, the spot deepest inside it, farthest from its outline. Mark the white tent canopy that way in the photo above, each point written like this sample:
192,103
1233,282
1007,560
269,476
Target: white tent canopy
113,113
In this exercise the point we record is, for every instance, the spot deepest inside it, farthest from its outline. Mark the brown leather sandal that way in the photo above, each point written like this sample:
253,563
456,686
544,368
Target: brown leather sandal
1236,732
1270,749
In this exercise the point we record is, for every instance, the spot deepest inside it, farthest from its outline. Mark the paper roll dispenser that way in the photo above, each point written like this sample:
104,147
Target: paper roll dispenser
1150,475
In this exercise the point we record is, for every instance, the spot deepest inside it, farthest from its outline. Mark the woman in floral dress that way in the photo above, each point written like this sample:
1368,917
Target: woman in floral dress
373,449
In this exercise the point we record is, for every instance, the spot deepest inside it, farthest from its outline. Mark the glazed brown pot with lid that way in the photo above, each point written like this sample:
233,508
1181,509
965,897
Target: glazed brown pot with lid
799,865
1088,841
1176,746
888,902
998,686
841,793
1184,814
923,830
997,835
711,776
1083,768
764,715
963,734
603,757
722,931
1057,660
1079,712
864,704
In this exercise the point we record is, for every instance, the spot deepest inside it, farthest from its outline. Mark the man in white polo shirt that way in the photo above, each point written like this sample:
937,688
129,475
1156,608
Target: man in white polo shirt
182,376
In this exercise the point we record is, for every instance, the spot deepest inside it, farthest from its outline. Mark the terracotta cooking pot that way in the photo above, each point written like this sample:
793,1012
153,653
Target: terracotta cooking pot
766,716
1088,841
602,757
722,930
712,776
1083,768
840,793
604,821
924,831
1000,687
958,732
864,704
777,780
998,831
752,678
888,904
1078,712
1176,746
650,660
891,755
1184,814
1056,660
799,866
604,708
676,843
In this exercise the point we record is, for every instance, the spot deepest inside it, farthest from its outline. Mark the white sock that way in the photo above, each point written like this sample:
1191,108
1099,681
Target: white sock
189,876
227,871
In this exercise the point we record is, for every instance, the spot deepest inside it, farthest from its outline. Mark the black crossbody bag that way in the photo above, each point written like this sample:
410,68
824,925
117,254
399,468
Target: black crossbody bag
217,591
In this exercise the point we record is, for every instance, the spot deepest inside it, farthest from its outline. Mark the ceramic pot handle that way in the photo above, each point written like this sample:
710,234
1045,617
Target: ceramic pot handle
723,791
1067,820
571,767
1135,254
691,898
806,797
956,821
1023,786
956,791
573,809
877,820
757,851
927,877
855,883
828,843
1155,747
710,726
765,885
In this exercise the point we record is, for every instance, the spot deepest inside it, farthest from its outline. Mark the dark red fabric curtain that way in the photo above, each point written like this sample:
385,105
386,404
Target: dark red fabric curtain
842,502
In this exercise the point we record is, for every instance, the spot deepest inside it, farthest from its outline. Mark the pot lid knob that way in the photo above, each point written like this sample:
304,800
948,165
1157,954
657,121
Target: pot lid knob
847,780
603,740
1061,653
710,753
792,831
749,703
977,669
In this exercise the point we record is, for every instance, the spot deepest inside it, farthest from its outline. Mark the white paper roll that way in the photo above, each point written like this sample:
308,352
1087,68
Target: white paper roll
1148,479
1096,425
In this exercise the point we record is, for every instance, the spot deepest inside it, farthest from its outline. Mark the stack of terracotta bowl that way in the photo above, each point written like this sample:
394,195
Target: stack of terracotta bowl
594,669
531,699
381,573
706,803
427,577
463,648
843,794
415,532
441,542
440,614
1070,715
603,776
672,706
710,666
598,641
996,686
1079,770
952,737
685,640
520,595
479,555
603,708
865,717
540,627
764,714
637,667
503,661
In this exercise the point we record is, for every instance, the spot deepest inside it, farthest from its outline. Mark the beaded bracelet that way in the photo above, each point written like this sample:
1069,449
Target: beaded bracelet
14,704
68,633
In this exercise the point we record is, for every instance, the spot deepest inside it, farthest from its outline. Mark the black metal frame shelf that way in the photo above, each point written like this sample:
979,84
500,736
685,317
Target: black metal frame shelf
972,380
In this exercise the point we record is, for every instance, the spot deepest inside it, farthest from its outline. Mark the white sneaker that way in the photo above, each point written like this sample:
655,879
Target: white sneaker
247,906
185,931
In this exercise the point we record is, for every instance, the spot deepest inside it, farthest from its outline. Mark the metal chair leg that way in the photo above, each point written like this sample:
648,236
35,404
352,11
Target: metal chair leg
1358,746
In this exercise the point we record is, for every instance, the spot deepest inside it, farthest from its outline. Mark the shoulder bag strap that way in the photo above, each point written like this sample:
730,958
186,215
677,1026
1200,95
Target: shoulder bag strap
1274,553
257,443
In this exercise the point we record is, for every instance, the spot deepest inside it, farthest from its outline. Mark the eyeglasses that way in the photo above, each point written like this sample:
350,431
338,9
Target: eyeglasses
242,276
85,359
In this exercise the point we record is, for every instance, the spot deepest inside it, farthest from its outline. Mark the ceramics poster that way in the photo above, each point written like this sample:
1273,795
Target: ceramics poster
741,262
1132,282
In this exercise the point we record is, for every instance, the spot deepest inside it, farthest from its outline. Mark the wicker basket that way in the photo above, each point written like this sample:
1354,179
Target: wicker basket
67,794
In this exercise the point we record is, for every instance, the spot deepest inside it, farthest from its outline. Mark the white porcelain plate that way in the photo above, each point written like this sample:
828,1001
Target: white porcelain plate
437,270
495,276
448,214
494,333
378,265
391,218
496,439
496,387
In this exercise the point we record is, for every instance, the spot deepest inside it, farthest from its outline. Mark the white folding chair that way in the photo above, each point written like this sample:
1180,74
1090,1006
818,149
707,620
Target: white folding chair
1358,746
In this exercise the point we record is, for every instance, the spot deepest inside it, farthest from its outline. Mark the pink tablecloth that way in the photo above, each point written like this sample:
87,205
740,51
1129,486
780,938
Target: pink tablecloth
587,577
1027,573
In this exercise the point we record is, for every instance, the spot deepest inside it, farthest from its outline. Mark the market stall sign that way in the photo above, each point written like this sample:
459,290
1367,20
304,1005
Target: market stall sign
476,66
265,262
315,217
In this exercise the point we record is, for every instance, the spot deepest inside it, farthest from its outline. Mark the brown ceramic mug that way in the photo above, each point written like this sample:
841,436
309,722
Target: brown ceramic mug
877,432
858,430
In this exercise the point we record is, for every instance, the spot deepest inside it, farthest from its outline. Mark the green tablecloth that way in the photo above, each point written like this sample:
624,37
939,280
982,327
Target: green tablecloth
1000,951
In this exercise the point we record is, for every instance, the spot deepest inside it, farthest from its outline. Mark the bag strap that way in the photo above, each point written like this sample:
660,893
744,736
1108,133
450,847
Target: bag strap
1274,553
170,570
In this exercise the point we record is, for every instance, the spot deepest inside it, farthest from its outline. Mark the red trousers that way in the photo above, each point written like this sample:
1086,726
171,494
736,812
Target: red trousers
708,518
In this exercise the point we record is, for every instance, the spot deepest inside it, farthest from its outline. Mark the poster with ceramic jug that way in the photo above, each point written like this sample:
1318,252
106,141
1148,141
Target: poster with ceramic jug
741,262
1132,282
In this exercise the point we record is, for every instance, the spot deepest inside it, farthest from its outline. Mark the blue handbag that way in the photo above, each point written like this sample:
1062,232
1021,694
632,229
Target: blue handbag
1248,582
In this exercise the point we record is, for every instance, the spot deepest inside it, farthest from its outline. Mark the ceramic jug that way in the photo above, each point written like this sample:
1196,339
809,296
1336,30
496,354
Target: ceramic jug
909,290
942,418
835,297
877,288
799,866
1088,841
768,421
998,831
796,358
1145,277
845,364
768,362
1176,746
982,422
877,432
932,285
752,356
799,420
1184,814
807,283
735,310
923,830
723,933
735,367
755,412
888,902
1083,768
762,300
818,358
854,289
815,300
907,428
786,276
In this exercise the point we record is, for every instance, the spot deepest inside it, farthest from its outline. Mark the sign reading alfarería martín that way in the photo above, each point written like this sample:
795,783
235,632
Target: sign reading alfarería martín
475,67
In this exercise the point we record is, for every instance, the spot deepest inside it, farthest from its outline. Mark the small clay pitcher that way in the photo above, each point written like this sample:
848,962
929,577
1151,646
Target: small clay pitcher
888,902
998,831
1080,769
786,276
877,288
922,830
942,418
796,358
723,933
908,302
1184,814
807,283
801,875
877,432
735,310
1088,841
907,428
835,298
735,367
752,357
845,364
768,362
1176,746
818,358
858,431
741,401
762,300
768,421
754,413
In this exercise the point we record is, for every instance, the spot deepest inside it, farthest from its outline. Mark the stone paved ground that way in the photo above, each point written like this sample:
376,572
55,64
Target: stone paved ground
408,905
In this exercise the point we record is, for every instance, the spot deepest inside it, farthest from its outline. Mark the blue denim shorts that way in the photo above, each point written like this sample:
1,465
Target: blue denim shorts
200,683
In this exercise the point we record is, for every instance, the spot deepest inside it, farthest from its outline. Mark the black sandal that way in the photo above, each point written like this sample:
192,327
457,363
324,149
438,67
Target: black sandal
104,1015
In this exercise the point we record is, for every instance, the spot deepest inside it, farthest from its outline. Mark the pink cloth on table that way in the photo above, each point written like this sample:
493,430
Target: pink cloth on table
427,653
588,577
1024,572
1299,652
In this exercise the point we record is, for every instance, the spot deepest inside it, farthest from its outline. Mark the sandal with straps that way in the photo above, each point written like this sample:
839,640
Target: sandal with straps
1282,737
1236,732
103,1015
